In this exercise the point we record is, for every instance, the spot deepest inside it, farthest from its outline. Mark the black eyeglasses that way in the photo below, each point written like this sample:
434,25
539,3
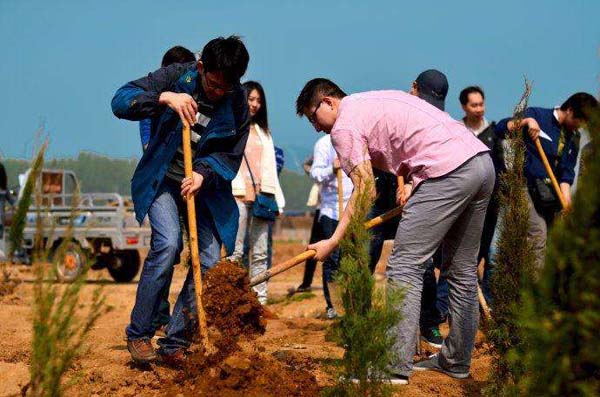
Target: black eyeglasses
311,118
214,87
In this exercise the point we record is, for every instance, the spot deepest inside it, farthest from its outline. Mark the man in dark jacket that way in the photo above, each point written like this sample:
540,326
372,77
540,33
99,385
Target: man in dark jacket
206,95
557,130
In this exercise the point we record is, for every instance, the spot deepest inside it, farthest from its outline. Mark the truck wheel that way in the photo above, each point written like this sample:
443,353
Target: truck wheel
125,266
70,263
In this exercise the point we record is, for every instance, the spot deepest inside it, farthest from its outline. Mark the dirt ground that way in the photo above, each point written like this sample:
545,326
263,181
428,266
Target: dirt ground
294,339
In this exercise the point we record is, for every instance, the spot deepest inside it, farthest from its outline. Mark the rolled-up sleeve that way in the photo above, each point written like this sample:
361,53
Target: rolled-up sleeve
352,148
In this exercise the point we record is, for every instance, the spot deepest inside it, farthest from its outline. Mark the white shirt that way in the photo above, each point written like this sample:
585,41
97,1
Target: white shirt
322,173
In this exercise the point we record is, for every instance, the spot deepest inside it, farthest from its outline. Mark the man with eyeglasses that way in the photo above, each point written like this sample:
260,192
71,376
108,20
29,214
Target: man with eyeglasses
450,177
207,95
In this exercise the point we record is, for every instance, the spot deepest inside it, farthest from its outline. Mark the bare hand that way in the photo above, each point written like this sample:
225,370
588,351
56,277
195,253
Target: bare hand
402,194
191,185
185,106
324,248
534,128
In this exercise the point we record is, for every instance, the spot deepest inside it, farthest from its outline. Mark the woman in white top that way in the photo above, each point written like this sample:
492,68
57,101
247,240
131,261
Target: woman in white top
257,174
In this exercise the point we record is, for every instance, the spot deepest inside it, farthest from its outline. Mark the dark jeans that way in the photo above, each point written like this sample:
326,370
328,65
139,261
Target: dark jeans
316,234
385,186
332,263
434,298
165,247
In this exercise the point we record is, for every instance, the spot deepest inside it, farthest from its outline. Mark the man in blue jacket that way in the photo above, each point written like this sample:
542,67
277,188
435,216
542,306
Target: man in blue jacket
557,131
208,96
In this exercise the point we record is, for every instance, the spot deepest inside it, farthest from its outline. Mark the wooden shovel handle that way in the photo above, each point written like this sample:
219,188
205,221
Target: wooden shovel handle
561,198
308,254
193,236
340,192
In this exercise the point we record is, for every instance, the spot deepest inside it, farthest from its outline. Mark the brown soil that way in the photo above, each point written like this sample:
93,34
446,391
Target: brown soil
233,314
293,347
231,306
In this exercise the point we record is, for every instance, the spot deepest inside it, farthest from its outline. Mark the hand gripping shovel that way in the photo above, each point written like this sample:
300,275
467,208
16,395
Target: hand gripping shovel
561,198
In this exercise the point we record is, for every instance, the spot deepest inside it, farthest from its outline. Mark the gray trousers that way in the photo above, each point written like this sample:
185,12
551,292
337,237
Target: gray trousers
450,211
537,233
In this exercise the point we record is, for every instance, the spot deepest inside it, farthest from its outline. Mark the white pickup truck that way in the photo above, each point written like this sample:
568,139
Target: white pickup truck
104,230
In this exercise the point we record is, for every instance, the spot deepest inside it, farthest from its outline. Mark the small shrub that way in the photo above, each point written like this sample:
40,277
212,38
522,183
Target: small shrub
368,314
513,266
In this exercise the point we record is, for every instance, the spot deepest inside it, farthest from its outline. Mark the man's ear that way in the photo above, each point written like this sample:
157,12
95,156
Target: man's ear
199,66
414,89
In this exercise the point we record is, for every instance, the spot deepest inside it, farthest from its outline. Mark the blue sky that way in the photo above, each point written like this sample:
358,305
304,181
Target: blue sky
63,60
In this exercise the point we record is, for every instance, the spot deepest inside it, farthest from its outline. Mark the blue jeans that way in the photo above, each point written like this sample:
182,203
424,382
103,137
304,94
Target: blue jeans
165,247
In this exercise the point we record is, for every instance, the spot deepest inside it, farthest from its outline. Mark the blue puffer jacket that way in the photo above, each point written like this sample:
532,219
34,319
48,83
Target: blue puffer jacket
219,152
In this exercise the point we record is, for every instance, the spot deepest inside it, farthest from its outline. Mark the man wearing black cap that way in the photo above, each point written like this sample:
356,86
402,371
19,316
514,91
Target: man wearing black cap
432,87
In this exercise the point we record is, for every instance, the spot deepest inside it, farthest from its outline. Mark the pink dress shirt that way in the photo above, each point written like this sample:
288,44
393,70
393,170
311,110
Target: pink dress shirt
402,134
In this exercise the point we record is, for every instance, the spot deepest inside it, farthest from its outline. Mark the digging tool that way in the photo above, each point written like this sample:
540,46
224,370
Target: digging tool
483,303
561,198
480,297
193,238
338,175
308,254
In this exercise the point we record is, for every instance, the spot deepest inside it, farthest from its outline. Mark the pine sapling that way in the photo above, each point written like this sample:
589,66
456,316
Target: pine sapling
513,266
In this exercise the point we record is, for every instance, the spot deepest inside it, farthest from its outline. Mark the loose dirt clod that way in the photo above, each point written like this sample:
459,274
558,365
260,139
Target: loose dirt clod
235,317
231,306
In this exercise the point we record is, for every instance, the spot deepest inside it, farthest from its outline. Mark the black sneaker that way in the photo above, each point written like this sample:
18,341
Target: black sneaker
432,336
303,288
433,364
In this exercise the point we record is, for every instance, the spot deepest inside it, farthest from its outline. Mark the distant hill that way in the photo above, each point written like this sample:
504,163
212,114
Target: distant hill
103,174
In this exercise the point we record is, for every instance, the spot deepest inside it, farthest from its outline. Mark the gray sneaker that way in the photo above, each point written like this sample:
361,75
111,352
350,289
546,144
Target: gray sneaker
331,313
432,364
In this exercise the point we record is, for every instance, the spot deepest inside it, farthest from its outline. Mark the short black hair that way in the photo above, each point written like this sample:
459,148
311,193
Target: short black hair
227,55
177,54
314,90
260,117
464,94
581,104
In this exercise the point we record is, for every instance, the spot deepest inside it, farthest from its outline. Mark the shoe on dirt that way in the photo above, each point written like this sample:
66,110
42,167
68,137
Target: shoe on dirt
398,380
395,380
141,350
177,359
433,364
331,314
432,336
303,288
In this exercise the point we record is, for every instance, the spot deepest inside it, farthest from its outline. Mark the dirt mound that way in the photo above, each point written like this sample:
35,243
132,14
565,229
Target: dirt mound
231,306
233,315
243,373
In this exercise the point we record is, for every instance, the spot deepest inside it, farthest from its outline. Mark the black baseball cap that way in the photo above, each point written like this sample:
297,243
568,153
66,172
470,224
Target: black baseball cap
433,87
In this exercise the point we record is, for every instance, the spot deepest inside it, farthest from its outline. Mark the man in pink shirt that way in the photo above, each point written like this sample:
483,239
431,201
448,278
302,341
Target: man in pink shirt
450,177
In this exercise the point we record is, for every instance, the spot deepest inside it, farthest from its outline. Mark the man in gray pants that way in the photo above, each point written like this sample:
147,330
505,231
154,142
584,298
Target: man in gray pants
450,177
